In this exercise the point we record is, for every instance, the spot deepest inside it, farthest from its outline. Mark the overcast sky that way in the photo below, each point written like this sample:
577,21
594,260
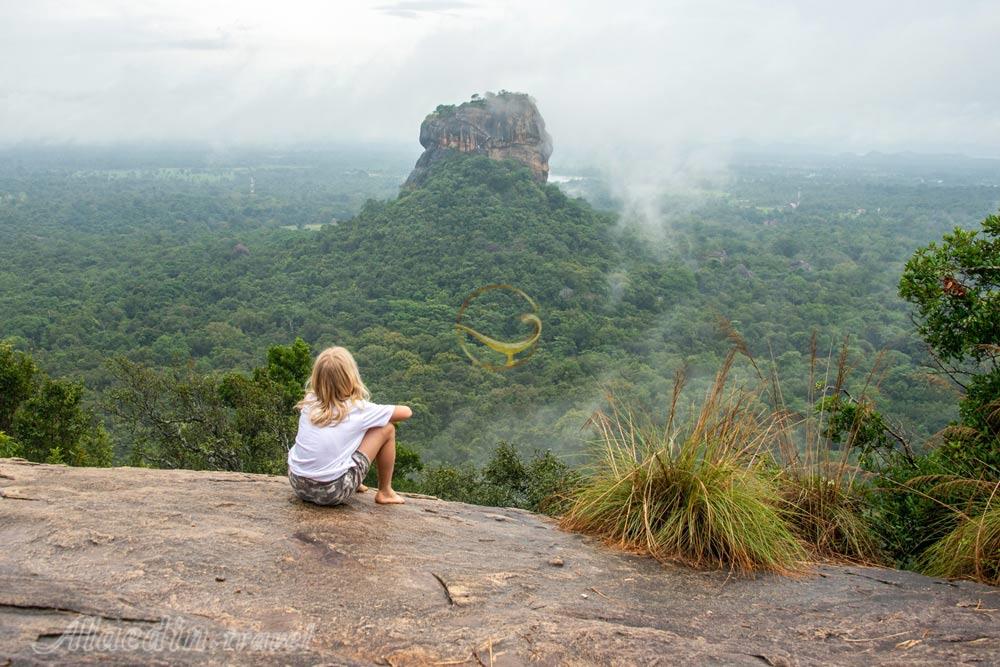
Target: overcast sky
837,76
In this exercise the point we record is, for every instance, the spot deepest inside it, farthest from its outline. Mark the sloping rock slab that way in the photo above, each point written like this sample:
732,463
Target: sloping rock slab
135,566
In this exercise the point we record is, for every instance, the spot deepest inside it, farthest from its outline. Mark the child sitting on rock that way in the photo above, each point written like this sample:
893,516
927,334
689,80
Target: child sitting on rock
340,433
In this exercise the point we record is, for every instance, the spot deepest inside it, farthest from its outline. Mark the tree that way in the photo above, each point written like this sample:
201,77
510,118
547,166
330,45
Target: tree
956,289
17,374
262,420
288,366
52,425
505,481
176,418
179,418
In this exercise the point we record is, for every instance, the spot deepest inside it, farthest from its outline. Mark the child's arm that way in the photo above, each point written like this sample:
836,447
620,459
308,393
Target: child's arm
401,413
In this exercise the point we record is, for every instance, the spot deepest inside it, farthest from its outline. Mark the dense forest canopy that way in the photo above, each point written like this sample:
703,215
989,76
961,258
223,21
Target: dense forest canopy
172,261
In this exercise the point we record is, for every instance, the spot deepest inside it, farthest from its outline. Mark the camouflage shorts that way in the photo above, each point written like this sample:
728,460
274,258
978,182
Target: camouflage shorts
335,491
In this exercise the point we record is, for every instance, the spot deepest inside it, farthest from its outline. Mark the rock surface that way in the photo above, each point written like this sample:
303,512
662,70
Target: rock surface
503,127
206,557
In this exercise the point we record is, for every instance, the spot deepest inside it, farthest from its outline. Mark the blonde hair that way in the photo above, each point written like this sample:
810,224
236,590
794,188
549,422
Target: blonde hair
334,385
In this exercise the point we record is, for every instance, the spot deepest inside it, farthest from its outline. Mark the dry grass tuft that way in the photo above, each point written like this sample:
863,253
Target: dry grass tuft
972,549
743,487
708,497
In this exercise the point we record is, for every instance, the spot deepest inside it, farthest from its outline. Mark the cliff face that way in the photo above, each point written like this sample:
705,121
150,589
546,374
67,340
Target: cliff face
503,127
131,566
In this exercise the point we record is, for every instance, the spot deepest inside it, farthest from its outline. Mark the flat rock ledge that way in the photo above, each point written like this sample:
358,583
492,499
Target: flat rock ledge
136,566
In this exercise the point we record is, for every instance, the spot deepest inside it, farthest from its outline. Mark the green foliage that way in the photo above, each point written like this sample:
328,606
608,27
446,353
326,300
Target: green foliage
387,283
288,366
707,496
976,443
195,318
448,110
966,451
970,551
826,493
908,520
681,504
708,493
9,448
956,289
857,425
934,512
445,110
46,417
261,418
182,419
455,483
95,449
179,418
505,481
965,542
50,418
17,374
505,469
830,515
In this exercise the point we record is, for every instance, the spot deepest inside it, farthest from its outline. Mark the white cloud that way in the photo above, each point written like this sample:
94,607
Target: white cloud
615,76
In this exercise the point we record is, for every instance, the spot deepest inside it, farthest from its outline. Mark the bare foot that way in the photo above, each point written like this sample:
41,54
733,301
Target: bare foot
389,497
361,488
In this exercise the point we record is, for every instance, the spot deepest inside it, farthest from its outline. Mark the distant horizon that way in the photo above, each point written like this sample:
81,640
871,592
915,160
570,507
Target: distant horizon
642,79
739,149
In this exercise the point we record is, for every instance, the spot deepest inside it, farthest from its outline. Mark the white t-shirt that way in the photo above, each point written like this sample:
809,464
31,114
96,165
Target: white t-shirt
323,453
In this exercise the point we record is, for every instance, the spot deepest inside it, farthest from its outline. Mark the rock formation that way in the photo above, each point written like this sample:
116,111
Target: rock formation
135,566
506,126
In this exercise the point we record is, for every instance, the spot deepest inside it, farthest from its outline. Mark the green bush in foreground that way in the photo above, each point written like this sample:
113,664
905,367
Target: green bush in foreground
9,447
971,551
709,498
955,287
826,499
827,512
47,418
507,480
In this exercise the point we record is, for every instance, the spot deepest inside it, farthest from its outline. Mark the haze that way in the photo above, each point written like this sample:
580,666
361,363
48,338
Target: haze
627,77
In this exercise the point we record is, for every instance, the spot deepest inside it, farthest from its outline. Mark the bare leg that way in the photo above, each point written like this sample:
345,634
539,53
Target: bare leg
379,445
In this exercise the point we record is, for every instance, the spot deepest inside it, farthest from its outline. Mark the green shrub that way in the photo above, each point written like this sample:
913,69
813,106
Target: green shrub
917,504
539,484
709,497
826,501
458,483
972,549
180,418
18,375
9,448
953,489
828,513
826,456
53,425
